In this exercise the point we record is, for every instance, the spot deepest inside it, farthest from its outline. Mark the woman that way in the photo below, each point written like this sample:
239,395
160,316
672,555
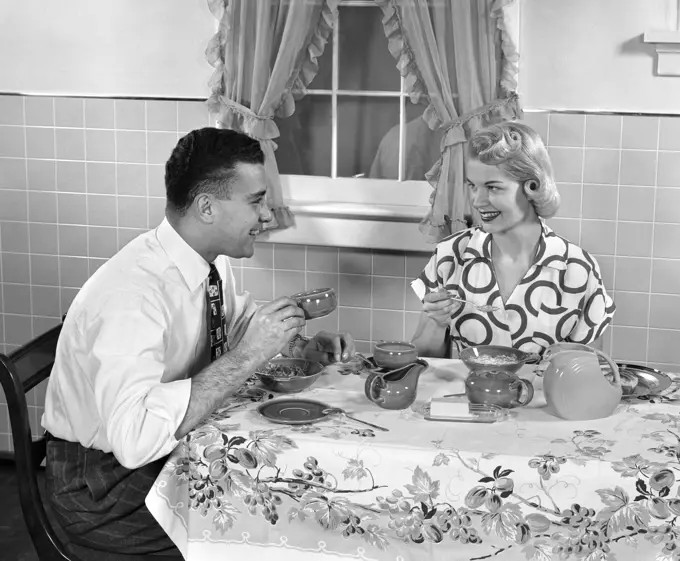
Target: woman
545,288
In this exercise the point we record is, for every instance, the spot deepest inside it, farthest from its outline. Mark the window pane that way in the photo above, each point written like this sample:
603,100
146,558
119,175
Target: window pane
364,59
421,145
368,137
304,147
324,77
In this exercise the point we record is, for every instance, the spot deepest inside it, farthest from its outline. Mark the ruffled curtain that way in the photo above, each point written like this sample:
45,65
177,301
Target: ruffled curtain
265,54
451,58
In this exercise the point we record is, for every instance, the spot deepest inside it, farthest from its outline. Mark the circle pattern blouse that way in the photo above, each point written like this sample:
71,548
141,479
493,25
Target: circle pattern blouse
561,297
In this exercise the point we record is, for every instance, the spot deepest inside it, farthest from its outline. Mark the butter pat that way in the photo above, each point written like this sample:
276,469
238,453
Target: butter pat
443,407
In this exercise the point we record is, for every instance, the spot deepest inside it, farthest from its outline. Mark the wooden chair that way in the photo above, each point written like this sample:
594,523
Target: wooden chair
20,372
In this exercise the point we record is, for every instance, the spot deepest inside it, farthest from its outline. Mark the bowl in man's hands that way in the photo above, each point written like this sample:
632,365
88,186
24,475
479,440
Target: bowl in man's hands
316,303
289,375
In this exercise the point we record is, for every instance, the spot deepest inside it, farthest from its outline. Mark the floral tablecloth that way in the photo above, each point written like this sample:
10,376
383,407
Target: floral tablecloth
531,487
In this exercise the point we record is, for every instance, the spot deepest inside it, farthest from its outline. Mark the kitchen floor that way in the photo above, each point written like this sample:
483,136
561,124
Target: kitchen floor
15,543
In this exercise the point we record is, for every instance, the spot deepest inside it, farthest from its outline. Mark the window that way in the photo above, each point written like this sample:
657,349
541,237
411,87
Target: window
356,146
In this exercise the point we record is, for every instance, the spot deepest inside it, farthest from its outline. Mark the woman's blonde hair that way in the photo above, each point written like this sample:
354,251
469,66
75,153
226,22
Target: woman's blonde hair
519,151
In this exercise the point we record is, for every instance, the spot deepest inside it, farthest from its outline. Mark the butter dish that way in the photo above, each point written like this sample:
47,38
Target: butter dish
462,411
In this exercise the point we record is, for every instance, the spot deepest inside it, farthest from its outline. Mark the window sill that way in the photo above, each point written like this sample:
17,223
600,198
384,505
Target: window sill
350,212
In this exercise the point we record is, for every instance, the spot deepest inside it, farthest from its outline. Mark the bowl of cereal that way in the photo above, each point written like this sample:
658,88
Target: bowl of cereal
496,357
289,375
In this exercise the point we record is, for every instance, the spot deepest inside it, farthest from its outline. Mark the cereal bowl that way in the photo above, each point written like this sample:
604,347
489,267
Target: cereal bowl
289,375
495,357
316,303
394,354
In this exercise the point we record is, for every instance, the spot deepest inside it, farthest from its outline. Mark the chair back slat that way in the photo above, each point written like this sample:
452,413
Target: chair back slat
20,372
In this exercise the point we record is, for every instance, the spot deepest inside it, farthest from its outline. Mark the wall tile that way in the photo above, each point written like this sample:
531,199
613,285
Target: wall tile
99,113
71,177
632,274
666,276
132,212
40,142
415,263
41,325
355,290
668,173
598,236
131,147
101,178
669,133
66,297
39,111
323,280
263,258
12,173
667,205
18,329
629,343
126,235
44,270
42,207
13,205
570,205
600,201
601,166
640,132
632,308
156,211
603,131
160,146
355,261
11,110
322,259
73,240
634,239
289,257
70,144
636,203
71,209
192,115
638,168
664,346
69,112
41,175
12,142
389,264
100,145
411,320
14,236
388,293
73,272
161,115
101,210
567,164
664,312
567,129
155,180
538,122
46,301
102,242
130,114
16,268
387,326
43,238
326,323
131,179
357,321
666,238
607,265
17,298
287,283
260,283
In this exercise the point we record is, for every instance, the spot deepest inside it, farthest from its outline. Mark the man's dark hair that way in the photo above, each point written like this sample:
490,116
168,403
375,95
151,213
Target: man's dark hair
204,161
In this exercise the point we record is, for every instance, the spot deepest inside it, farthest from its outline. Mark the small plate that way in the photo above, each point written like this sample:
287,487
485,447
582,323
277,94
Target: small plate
294,411
651,381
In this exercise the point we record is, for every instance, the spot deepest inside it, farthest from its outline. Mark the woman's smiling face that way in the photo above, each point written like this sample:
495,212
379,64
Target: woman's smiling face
499,199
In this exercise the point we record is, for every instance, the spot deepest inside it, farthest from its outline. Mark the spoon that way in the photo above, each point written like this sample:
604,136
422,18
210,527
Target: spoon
481,307
338,411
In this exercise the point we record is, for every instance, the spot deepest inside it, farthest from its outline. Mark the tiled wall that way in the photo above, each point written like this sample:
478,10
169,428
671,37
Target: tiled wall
80,178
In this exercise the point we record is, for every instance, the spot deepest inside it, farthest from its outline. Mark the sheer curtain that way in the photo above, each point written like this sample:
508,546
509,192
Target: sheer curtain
460,58
265,54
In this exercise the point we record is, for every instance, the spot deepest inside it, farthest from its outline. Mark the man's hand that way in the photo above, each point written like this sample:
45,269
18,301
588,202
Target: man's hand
439,306
271,327
326,347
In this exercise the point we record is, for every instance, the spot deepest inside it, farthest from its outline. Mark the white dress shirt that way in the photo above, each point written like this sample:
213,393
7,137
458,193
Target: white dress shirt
133,337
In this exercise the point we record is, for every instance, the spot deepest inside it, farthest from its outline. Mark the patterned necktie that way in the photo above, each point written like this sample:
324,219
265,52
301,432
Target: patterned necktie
217,317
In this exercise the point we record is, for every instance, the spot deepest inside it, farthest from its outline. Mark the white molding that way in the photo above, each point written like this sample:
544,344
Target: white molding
667,45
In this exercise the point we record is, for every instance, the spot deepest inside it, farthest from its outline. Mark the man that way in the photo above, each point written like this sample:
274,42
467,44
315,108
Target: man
157,339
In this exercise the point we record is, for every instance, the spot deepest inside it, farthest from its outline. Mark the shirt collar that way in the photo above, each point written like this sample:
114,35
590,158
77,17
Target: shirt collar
193,268
552,249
